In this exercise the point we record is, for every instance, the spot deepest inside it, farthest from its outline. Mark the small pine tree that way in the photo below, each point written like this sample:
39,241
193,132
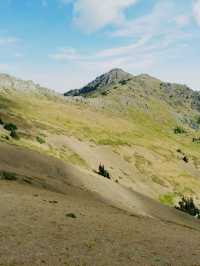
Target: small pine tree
103,172
10,126
14,134
185,159
179,130
187,205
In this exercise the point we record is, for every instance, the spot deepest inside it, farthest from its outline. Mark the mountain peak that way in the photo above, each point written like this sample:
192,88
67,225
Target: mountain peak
117,70
113,76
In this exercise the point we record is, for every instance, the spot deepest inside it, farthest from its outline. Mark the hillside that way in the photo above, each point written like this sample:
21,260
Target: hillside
142,130
56,214
130,130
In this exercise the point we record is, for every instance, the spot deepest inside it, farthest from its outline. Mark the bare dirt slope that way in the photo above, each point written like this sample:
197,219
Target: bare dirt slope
112,225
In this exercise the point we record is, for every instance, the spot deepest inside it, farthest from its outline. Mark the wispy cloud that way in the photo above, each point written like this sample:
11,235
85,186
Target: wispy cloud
160,30
93,15
164,18
161,34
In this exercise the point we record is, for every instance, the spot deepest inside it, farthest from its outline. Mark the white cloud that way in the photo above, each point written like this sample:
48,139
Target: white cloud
139,56
93,15
70,54
153,33
158,21
196,11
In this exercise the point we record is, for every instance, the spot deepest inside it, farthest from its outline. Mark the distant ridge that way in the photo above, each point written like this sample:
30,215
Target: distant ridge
10,83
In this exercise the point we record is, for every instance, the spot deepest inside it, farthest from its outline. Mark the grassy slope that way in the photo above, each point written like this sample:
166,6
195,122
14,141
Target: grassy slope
135,125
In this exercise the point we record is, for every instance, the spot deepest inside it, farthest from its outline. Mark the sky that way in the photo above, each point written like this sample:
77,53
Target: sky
64,44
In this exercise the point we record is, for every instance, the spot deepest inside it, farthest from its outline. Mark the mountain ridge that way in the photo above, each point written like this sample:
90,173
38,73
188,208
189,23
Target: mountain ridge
129,90
118,75
113,76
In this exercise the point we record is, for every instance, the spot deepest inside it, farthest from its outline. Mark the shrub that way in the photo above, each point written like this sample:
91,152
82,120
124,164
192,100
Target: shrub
14,134
179,130
167,199
10,126
185,159
8,176
40,140
103,172
187,205
196,140
104,93
1,121
71,215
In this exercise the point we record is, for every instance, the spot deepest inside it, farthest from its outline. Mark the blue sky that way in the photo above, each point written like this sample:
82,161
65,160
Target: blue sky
63,44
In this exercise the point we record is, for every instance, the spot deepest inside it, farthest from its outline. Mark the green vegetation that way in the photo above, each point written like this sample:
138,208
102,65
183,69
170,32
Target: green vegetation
104,93
10,127
167,199
71,215
179,130
14,134
8,176
196,140
185,159
13,130
40,140
1,121
187,205
102,171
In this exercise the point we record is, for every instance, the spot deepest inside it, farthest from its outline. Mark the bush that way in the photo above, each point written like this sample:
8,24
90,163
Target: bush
14,134
40,140
104,93
10,127
179,130
187,205
185,159
8,176
167,199
196,140
71,215
103,172
1,121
